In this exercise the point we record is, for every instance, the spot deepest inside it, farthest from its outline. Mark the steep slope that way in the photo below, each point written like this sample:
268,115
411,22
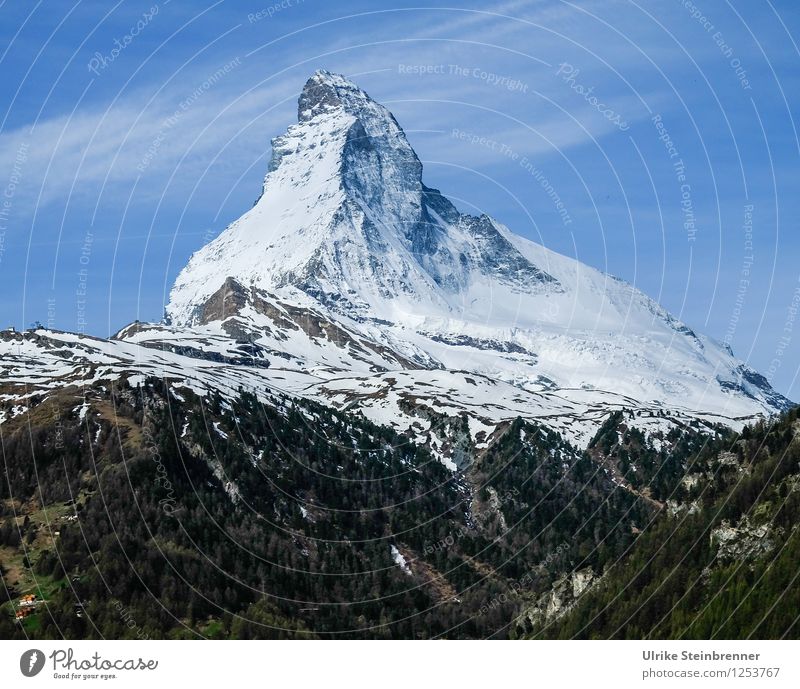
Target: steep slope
239,517
245,518
722,564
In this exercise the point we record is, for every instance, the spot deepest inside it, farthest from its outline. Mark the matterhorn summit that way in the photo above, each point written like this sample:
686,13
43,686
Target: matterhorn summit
344,217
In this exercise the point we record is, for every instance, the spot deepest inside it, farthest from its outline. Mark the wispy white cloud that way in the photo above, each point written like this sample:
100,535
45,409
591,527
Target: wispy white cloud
82,151
77,153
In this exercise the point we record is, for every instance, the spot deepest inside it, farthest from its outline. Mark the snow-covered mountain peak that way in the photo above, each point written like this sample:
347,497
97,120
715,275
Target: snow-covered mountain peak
373,129
345,217
351,283
349,256
326,92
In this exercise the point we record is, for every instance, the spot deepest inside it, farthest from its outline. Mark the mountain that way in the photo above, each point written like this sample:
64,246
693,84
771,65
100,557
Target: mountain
369,415
352,283
345,219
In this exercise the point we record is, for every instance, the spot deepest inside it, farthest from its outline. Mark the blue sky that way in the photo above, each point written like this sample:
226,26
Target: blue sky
634,136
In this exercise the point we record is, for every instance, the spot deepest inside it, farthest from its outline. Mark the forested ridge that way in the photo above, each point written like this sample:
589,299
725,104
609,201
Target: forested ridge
151,512
724,566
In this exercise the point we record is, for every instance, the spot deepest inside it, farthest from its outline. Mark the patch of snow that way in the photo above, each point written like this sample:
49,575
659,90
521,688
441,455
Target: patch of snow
399,560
